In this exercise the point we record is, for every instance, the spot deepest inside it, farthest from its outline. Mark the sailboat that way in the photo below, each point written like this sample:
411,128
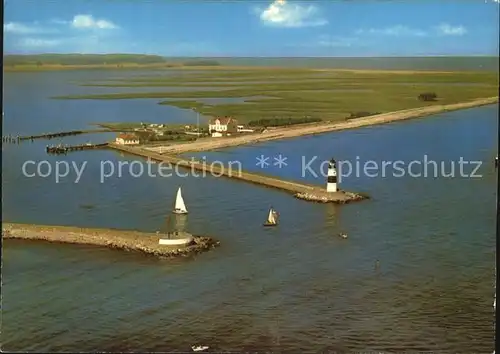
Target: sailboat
180,207
272,218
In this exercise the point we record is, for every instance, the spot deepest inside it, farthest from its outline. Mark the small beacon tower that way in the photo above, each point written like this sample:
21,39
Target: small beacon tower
331,184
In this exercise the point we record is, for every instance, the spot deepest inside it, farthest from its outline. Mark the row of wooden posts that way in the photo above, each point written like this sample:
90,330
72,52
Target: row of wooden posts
64,149
17,139
11,139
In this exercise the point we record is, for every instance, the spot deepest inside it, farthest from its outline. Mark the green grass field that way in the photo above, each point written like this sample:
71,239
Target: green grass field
297,93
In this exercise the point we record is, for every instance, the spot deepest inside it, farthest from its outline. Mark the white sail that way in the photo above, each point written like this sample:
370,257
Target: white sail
271,218
179,202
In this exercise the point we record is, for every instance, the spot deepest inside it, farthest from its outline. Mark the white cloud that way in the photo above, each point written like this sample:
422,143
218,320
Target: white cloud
57,21
38,43
88,22
54,25
448,30
20,28
282,14
82,33
84,44
398,31
329,41
404,31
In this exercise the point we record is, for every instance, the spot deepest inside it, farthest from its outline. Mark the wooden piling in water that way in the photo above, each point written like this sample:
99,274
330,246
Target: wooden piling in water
62,134
65,149
52,135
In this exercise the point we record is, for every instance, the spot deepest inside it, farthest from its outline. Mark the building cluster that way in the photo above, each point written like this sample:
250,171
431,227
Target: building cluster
217,127
158,129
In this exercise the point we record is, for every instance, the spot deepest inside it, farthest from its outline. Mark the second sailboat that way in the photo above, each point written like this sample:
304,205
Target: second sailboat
272,218
180,206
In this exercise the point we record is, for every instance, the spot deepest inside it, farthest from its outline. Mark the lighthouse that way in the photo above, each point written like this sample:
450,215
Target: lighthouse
331,184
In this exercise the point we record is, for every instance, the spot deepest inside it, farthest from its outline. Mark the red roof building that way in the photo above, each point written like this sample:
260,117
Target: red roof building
127,139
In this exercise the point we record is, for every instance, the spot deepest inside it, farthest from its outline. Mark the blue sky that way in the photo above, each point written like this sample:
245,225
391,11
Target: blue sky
253,28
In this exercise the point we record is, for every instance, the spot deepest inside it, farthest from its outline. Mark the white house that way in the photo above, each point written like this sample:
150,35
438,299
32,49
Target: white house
127,139
222,125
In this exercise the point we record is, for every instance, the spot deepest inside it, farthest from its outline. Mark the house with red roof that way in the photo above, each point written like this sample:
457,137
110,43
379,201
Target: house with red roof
127,139
223,125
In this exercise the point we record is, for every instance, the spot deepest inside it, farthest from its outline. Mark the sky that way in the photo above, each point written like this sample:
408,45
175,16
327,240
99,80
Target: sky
253,28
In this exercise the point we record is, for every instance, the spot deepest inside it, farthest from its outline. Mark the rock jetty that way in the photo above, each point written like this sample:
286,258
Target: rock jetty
126,240
340,197
300,190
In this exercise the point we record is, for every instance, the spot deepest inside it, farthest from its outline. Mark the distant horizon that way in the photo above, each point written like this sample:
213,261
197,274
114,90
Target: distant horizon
454,63
260,57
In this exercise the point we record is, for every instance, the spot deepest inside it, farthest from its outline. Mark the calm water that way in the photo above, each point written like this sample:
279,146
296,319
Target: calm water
296,287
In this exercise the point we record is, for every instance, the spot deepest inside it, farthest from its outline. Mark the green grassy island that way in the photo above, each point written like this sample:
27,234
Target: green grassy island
283,96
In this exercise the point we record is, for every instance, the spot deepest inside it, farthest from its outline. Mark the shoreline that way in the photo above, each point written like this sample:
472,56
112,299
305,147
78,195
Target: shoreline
126,240
20,68
316,128
182,66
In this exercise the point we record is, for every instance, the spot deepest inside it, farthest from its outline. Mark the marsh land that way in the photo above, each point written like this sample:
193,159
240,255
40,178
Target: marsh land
284,96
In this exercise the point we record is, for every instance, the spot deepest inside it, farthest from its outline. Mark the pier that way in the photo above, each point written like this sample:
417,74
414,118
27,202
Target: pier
62,134
127,240
303,191
63,149
57,135
70,133
11,139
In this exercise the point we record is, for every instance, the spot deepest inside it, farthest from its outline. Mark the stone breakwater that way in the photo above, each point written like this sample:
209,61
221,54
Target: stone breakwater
299,189
126,240
340,197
